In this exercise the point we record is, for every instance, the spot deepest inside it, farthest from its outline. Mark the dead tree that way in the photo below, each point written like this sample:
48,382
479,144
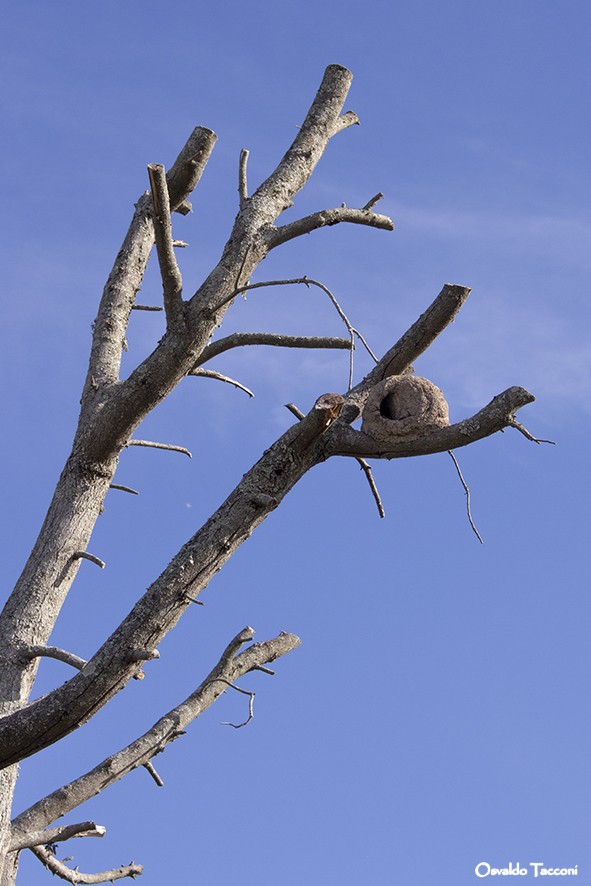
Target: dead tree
402,417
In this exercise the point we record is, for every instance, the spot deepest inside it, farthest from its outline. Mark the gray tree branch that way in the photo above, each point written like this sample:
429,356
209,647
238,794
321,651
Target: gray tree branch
21,840
496,416
73,875
209,373
415,341
172,282
47,719
128,270
111,409
230,667
262,488
272,339
327,218
31,652
323,120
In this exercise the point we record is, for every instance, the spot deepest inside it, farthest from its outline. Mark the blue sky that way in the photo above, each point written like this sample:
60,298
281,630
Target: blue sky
436,714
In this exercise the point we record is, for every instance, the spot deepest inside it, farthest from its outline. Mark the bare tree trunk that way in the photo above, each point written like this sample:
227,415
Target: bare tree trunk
8,862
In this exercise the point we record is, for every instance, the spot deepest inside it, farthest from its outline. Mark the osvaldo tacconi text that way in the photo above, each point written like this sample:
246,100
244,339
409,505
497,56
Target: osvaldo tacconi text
537,868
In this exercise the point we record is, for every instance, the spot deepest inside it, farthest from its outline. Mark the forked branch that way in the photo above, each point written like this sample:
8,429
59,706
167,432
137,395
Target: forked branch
231,666
128,270
53,716
54,835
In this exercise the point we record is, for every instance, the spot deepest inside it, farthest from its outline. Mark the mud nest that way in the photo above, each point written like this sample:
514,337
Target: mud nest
403,407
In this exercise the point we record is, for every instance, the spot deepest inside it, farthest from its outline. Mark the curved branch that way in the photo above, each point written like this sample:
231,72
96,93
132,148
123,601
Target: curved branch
327,218
272,339
150,444
496,416
230,667
75,876
209,373
92,558
123,488
69,658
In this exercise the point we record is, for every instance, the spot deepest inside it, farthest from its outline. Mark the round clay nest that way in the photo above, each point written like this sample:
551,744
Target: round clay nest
404,406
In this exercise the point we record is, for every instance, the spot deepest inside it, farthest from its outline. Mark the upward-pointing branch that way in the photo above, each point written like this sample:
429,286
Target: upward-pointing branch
322,121
172,282
129,267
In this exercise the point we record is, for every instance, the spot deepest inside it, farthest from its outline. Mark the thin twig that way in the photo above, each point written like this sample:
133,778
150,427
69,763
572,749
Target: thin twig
172,281
149,767
152,445
242,180
193,600
467,491
366,468
209,373
308,281
250,712
123,488
147,308
84,555
244,692
513,423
